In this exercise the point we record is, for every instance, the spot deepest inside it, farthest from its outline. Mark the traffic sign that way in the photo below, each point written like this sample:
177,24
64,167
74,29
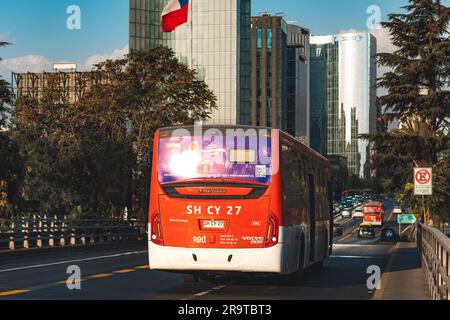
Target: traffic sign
423,181
406,219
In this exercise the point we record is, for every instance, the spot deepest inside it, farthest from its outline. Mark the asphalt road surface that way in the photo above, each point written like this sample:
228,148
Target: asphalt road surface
120,271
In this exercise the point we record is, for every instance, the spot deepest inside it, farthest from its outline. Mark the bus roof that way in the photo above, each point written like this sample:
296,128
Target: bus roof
301,145
373,204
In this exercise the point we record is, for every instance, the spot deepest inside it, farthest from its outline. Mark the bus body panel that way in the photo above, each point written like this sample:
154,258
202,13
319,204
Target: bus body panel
184,241
279,259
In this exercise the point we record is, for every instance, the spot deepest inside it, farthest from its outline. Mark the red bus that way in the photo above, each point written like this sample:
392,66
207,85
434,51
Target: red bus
373,213
237,199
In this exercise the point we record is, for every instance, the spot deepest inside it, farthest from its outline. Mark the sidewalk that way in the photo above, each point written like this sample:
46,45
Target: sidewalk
404,278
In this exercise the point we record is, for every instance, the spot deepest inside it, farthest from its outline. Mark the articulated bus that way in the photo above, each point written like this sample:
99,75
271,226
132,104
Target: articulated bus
243,200
373,213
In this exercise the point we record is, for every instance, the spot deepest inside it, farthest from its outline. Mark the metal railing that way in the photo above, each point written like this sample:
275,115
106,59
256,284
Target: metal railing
434,248
38,232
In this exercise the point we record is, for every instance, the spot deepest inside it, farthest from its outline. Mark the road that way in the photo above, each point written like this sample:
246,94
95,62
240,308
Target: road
121,272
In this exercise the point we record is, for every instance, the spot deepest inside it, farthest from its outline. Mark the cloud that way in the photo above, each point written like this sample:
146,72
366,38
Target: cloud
97,58
30,63
37,63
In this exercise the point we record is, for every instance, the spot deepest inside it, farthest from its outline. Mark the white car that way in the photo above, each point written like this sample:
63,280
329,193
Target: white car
346,213
358,213
398,210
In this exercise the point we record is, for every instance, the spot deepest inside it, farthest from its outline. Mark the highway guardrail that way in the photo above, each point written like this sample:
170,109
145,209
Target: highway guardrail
39,232
434,248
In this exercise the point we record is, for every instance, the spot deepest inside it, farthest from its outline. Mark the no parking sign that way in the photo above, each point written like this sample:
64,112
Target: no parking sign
423,181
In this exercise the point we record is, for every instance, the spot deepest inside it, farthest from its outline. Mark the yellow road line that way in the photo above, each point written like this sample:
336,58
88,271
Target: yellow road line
143,267
99,276
13,292
125,271
349,235
71,281
390,216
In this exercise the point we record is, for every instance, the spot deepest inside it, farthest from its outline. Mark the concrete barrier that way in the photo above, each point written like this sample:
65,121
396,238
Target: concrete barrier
39,232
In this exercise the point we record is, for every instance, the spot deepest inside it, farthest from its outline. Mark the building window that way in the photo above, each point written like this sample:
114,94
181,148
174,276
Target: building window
269,38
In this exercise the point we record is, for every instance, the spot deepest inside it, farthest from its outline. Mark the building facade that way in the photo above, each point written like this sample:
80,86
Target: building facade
298,83
343,97
269,71
280,75
215,42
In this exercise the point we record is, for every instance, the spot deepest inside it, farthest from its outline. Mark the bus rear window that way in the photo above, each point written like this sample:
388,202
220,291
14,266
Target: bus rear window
372,210
214,157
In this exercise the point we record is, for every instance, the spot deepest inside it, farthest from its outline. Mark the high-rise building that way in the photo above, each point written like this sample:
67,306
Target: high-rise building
269,71
215,42
343,97
280,75
298,83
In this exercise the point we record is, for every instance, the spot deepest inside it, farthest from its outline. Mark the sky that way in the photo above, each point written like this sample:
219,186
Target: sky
40,36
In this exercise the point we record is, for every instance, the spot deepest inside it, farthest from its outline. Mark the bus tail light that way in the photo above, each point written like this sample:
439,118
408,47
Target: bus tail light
157,236
272,233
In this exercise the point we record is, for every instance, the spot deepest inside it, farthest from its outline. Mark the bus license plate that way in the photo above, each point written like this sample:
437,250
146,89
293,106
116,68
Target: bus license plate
213,225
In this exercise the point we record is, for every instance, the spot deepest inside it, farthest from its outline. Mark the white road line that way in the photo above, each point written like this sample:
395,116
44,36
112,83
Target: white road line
202,294
353,257
73,261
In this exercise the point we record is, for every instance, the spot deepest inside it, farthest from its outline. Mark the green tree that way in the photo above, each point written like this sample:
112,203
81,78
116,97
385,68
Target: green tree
146,91
416,92
11,168
91,157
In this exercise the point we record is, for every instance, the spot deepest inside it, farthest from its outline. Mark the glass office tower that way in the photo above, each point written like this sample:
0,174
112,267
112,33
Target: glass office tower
343,91
215,42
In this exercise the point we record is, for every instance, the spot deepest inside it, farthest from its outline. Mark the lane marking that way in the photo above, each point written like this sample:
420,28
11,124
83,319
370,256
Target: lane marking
379,294
100,276
143,267
349,235
71,281
13,292
353,257
73,261
124,271
201,294
390,216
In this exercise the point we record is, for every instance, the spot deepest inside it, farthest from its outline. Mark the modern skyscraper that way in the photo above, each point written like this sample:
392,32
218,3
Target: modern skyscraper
280,75
215,42
343,91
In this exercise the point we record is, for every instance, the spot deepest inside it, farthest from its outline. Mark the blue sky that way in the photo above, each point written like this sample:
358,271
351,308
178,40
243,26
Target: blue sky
37,28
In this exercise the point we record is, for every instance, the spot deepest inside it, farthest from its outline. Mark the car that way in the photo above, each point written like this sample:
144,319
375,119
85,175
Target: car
338,230
366,231
347,212
358,212
398,210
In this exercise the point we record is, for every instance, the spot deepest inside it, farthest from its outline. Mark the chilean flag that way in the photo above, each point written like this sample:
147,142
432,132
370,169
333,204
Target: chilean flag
175,14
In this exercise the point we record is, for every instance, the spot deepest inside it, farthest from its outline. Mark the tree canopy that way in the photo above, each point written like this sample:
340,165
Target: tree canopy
92,156
417,96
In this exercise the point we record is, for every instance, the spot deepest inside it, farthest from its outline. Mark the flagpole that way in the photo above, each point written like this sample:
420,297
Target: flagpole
192,34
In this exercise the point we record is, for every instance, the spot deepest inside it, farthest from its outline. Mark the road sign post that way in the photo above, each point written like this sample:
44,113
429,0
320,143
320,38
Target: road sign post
405,219
423,185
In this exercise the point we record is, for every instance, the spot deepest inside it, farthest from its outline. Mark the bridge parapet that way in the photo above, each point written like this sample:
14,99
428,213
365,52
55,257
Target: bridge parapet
434,248
54,231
